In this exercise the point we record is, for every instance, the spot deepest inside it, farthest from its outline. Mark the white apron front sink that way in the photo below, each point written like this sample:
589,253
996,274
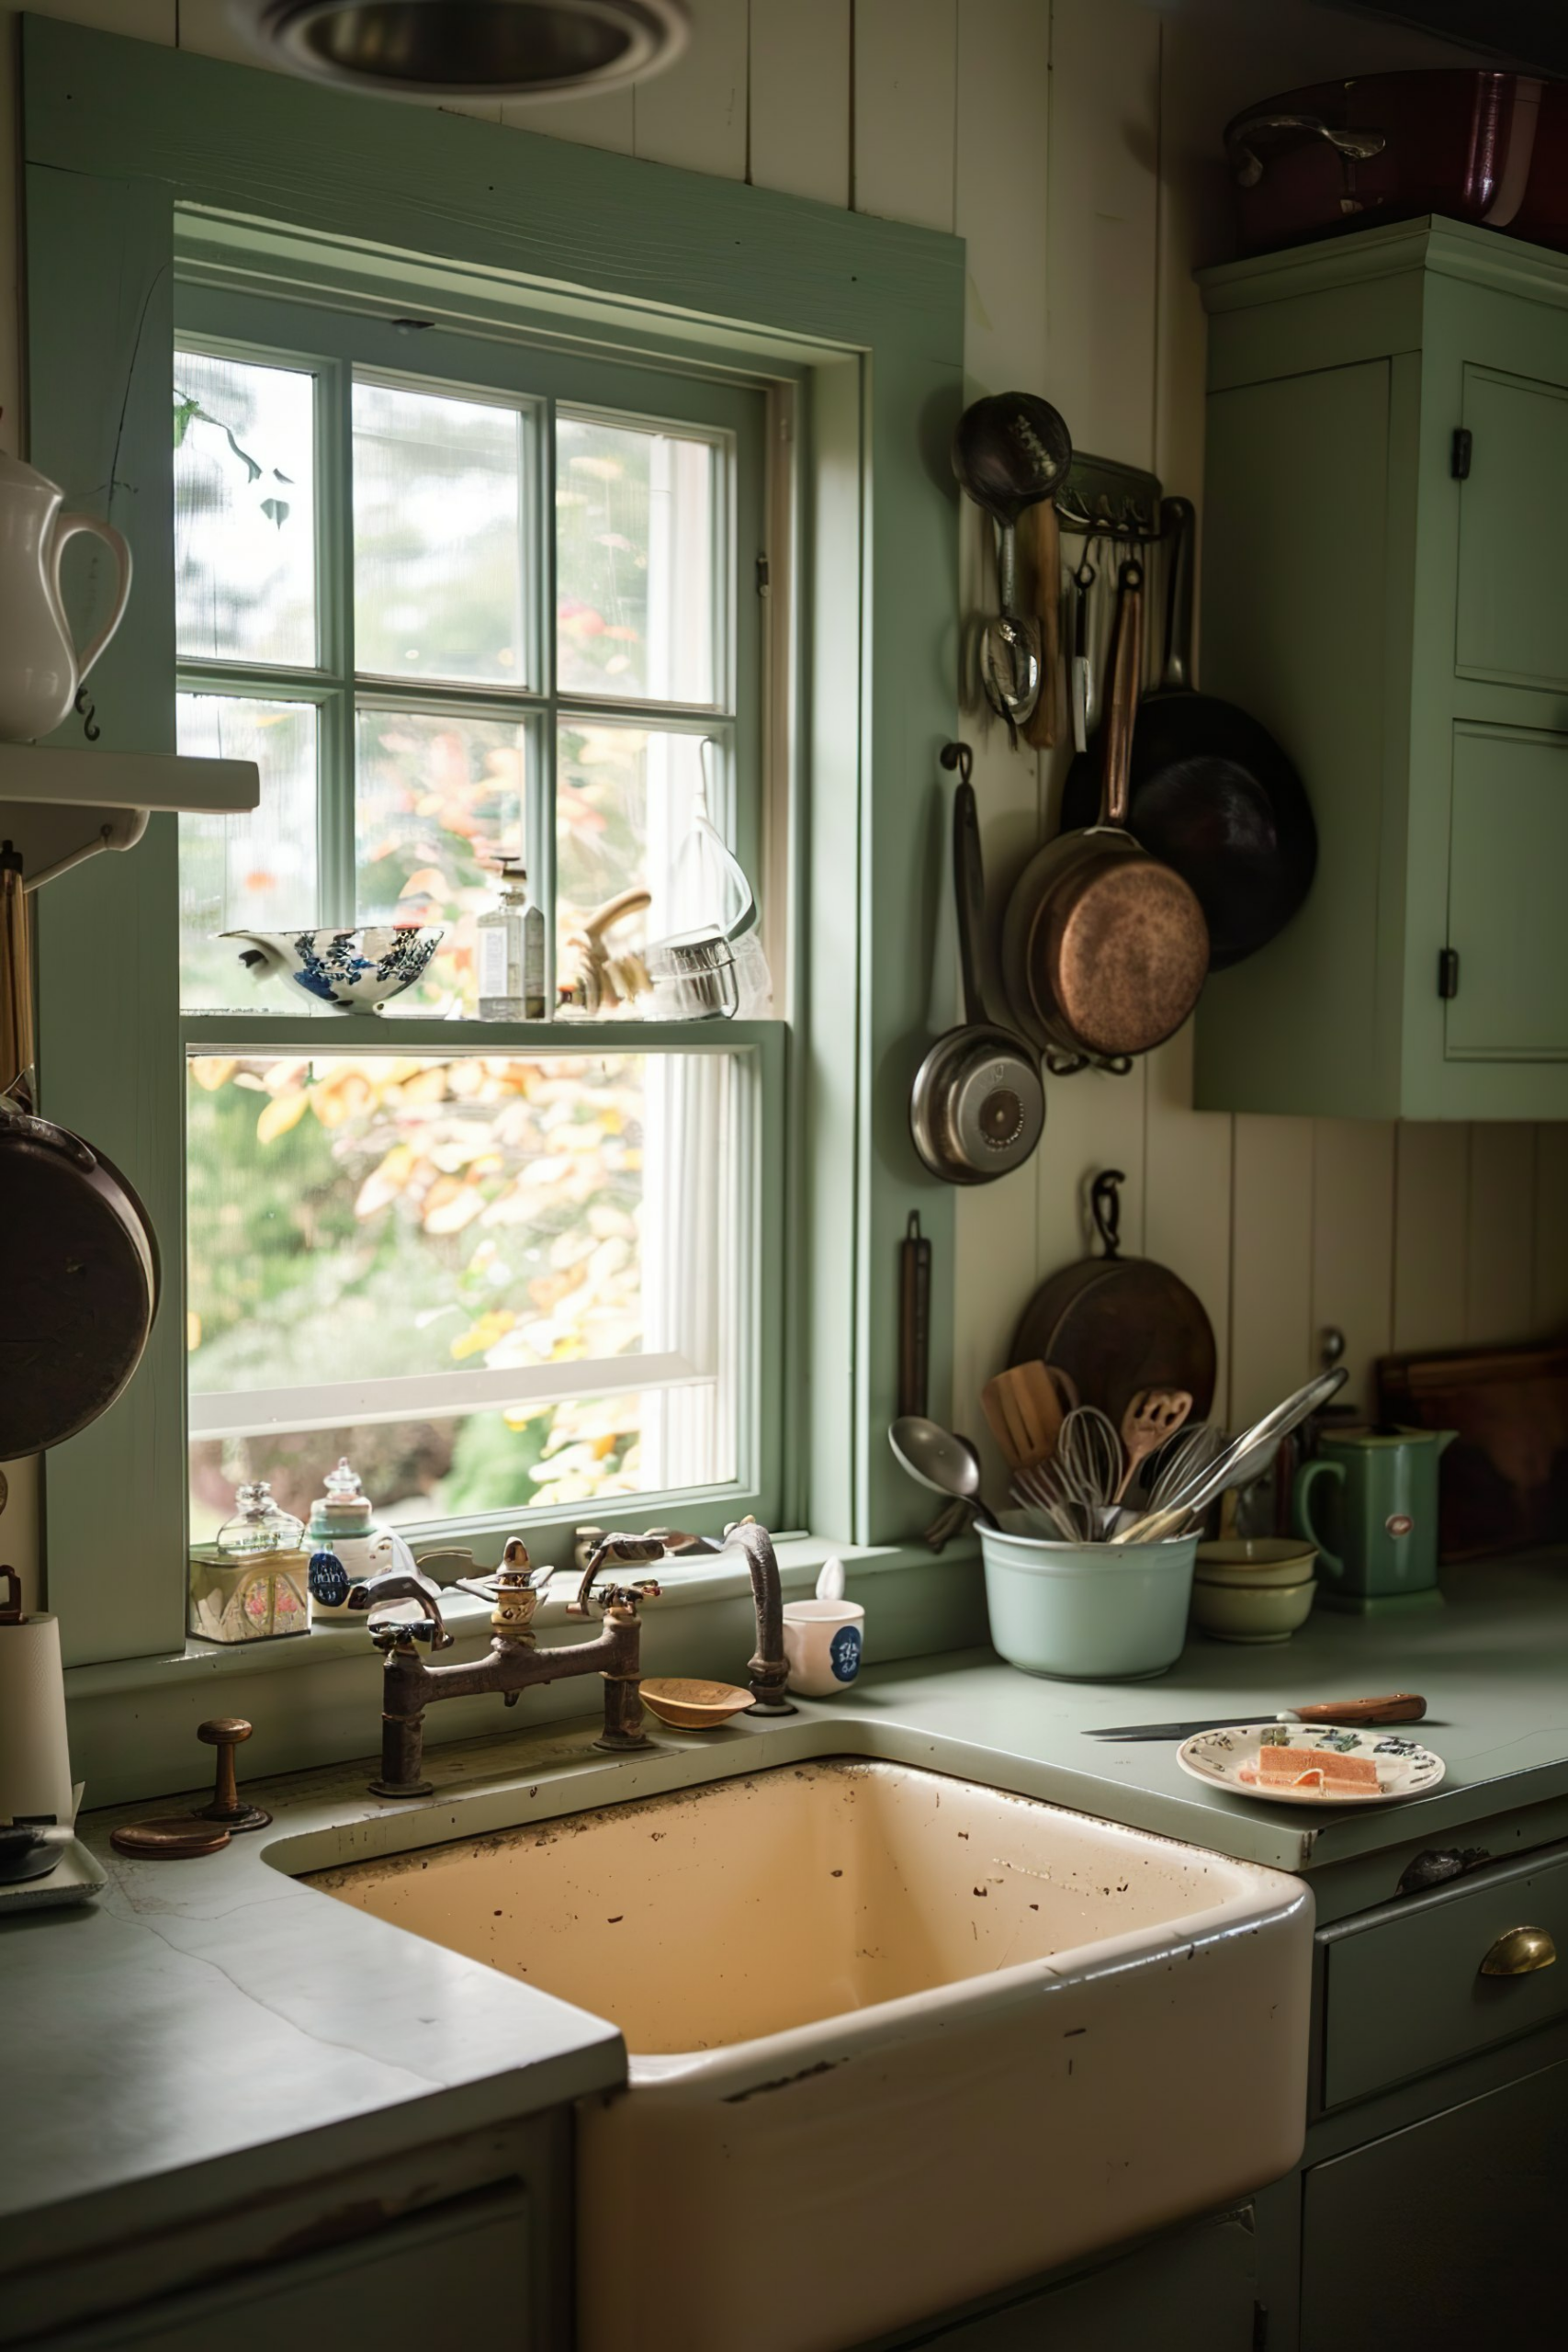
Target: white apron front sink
895,2039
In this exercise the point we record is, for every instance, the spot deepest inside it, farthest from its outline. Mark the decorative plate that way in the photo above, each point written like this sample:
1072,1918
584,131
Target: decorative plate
1229,1759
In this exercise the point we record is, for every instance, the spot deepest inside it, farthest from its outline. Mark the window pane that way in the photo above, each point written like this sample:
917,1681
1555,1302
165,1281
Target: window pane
258,870
635,599
472,1229
625,796
245,510
437,545
437,798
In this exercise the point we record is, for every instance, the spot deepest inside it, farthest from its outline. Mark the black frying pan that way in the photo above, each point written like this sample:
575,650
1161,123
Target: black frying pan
78,1263
1212,793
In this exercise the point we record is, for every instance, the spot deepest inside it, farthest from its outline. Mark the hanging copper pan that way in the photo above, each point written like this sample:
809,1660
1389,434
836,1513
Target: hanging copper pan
1105,950
78,1262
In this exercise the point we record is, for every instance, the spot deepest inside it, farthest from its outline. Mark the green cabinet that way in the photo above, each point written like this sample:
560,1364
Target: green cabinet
1385,585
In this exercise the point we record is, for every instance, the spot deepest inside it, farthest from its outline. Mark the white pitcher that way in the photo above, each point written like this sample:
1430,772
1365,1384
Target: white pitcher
40,669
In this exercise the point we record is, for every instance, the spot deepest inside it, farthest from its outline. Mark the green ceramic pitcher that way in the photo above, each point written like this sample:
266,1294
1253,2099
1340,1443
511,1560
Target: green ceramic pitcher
1377,1493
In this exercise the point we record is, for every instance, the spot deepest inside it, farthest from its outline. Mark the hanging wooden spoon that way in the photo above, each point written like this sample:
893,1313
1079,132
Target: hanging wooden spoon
1153,1416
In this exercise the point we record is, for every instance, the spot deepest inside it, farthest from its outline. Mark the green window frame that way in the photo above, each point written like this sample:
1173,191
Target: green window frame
856,325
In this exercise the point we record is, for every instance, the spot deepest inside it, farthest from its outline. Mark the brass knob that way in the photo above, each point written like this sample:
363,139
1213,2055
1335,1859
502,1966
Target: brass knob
1519,1953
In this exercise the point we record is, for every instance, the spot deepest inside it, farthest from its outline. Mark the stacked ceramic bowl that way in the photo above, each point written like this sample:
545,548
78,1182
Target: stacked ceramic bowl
1257,1589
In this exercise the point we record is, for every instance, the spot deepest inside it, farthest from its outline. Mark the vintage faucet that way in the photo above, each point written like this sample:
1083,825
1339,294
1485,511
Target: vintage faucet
768,1670
514,1663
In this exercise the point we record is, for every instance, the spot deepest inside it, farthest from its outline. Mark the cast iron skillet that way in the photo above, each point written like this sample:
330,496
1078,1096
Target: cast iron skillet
1210,793
78,1263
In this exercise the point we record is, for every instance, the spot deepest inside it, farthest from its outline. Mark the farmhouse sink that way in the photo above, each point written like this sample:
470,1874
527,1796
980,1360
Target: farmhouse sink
895,2039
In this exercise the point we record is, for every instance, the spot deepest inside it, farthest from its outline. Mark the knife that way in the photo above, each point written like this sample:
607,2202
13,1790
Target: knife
1398,1707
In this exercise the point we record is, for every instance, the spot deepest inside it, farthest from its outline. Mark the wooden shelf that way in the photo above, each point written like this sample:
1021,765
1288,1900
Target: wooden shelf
60,806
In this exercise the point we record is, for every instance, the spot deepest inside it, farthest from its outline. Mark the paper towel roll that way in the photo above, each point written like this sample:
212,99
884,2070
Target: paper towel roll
35,1763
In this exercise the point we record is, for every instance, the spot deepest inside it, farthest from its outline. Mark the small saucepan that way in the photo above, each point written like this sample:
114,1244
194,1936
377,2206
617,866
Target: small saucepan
1104,950
977,1107
78,1263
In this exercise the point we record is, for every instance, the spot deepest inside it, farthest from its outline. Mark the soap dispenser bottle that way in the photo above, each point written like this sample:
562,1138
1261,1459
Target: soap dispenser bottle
343,1541
512,951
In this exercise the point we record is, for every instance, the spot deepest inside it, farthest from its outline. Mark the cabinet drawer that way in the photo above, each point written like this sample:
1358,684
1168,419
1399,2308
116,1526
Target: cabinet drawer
1404,1991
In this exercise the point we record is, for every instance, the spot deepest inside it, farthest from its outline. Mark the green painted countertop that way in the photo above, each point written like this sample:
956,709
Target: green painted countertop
202,2016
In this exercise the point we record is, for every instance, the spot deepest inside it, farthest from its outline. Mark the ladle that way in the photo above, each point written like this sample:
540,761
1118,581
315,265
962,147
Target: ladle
1010,451
935,1458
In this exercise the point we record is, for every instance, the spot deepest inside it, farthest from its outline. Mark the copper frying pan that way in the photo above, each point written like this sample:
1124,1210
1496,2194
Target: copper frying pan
1104,950
78,1262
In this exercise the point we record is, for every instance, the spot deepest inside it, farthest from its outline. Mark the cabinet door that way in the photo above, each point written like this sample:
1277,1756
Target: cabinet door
1442,2238
1513,551
1507,858
457,2273
1193,2292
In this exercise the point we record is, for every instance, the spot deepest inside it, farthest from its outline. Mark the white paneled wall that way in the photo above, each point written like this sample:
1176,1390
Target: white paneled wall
1074,144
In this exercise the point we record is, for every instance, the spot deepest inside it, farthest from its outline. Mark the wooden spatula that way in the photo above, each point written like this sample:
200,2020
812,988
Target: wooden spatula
1025,1409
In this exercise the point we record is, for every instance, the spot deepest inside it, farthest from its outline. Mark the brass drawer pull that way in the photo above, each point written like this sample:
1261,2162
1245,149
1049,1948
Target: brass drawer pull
1519,1953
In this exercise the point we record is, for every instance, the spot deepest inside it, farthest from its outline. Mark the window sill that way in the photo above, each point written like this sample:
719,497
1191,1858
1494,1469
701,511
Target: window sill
713,1579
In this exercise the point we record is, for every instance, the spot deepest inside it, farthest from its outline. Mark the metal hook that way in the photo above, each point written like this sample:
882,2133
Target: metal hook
959,756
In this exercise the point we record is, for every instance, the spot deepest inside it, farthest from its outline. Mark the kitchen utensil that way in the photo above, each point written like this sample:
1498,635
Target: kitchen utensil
977,1108
1075,1488
1085,1612
1261,1612
1115,1325
1261,1438
935,1458
1082,689
1224,1759
1377,1489
1104,950
1505,1478
1153,1416
914,1317
354,971
830,1580
688,1705
40,670
78,1261
1010,451
1041,540
822,1641
1400,1707
1471,144
1210,792
1194,1451
1025,1408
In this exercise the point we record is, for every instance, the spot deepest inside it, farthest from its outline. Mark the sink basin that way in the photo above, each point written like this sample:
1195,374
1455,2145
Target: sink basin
896,2040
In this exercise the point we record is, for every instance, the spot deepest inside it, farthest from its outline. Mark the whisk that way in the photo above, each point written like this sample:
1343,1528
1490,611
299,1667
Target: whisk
1075,1487
1181,1462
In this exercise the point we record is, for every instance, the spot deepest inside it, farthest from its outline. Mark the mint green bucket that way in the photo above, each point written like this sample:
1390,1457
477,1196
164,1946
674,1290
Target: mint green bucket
1087,1612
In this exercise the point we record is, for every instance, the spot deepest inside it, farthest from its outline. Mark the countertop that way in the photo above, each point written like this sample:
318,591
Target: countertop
202,2014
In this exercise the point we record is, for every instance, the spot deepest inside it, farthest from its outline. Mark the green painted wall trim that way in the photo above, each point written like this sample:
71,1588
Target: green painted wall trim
865,314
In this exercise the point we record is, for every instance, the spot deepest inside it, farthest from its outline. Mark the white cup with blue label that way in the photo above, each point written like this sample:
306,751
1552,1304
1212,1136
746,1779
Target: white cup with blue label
822,1642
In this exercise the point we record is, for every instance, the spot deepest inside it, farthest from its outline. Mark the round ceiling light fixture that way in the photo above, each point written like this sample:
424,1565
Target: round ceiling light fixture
467,49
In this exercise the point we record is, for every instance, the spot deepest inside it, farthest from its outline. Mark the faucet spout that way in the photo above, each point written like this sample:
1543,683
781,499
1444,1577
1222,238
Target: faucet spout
768,1670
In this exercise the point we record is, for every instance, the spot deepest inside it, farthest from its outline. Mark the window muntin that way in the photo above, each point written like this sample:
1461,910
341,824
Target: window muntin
440,739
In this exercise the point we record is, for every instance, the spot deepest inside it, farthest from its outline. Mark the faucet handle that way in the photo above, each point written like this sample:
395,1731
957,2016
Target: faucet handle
396,1584
616,1550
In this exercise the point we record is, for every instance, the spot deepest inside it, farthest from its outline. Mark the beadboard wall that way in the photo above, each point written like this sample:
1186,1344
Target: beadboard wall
1074,144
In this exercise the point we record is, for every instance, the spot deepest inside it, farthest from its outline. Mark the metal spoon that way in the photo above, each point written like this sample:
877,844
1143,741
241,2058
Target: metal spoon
1009,452
935,1458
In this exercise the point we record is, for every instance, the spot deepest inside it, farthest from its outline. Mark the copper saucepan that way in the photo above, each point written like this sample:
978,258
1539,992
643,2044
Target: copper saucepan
1105,950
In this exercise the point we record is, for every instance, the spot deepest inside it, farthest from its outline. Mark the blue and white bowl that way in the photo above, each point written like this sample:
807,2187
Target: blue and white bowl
353,971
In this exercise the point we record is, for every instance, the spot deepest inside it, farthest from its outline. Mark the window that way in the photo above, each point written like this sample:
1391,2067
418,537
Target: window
462,599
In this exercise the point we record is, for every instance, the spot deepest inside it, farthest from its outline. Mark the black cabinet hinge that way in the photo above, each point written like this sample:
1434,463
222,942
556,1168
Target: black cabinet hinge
1458,460
1448,971
764,576
1259,2328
